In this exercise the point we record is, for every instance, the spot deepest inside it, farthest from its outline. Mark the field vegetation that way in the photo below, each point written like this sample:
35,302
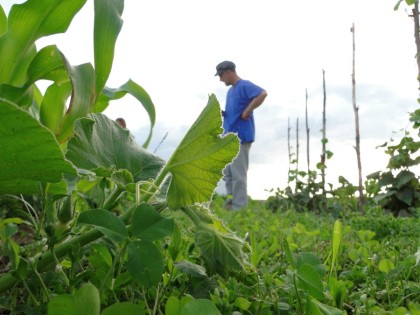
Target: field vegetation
93,223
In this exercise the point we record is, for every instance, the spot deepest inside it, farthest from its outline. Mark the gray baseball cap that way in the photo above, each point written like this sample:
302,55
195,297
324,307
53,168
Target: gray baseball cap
224,65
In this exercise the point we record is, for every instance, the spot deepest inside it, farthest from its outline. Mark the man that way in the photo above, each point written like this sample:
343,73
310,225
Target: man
242,98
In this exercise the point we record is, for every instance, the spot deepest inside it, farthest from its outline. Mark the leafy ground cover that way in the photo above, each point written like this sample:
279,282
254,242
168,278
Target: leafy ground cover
368,264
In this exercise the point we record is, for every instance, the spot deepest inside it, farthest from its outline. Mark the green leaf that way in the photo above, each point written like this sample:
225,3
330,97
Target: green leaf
310,281
3,21
385,265
100,142
197,163
337,232
48,64
406,195
125,308
242,303
145,263
83,84
316,307
200,306
106,222
84,301
107,26
172,306
288,253
311,259
29,152
148,224
28,22
53,105
221,251
190,269
136,91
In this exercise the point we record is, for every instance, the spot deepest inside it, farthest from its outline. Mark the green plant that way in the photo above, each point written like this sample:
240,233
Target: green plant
398,188
103,222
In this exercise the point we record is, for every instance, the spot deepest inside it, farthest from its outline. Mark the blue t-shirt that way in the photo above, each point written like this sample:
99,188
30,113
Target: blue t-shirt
238,98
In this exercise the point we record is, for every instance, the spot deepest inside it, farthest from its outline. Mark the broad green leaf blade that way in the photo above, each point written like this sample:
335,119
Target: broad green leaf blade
315,307
200,306
145,263
84,301
386,265
148,224
172,306
29,152
101,142
310,281
28,22
106,222
62,305
107,26
83,86
311,259
136,91
222,252
48,64
125,308
197,164
3,21
53,105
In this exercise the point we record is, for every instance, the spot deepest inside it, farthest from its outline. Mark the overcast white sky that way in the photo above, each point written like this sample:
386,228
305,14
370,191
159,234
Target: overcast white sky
171,49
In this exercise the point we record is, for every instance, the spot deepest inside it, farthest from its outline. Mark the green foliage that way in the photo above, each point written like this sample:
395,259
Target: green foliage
101,227
398,189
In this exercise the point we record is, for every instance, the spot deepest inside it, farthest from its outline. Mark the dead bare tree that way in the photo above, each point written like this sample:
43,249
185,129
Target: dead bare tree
288,149
356,118
297,153
324,135
307,134
415,17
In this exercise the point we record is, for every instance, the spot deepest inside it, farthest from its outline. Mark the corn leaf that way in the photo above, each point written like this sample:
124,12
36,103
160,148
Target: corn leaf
28,22
107,26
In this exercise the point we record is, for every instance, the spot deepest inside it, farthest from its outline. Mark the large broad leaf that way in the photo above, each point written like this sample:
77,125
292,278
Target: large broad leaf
125,308
200,306
28,22
145,263
148,224
311,259
310,281
106,222
136,91
29,153
107,26
100,142
197,164
222,252
84,301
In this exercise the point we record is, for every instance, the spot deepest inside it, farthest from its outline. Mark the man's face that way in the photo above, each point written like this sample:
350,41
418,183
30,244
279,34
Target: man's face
225,77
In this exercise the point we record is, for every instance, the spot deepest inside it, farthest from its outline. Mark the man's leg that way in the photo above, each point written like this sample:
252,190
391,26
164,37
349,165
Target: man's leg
239,170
